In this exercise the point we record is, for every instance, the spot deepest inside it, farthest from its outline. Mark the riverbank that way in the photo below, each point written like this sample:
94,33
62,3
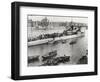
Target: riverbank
38,42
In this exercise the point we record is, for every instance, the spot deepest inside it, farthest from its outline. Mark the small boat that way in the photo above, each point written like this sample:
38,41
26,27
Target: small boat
63,41
50,55
33,59
55,42
51,42
57,60
73,42
83,60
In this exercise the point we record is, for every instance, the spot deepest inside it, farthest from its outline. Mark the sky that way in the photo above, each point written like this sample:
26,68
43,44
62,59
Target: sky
59,18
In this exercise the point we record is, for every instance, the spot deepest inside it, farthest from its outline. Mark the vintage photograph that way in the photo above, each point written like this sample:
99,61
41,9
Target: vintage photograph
56,40
53,40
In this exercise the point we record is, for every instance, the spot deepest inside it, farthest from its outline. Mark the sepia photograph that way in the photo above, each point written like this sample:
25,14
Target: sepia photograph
56,40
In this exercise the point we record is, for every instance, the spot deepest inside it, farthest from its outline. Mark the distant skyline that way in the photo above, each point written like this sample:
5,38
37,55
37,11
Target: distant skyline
59,18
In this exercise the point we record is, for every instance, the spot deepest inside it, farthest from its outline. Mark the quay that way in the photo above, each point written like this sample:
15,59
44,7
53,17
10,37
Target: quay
38,42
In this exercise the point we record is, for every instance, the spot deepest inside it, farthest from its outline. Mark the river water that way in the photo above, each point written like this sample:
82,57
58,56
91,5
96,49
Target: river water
75,51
